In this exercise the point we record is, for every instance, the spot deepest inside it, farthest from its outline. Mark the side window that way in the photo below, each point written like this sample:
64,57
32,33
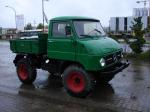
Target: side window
59,29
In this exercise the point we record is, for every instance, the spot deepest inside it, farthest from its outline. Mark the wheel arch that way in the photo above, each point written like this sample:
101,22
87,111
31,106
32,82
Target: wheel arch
33,59
65,64
18,58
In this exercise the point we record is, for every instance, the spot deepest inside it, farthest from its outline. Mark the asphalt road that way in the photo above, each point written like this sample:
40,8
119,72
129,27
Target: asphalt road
129,91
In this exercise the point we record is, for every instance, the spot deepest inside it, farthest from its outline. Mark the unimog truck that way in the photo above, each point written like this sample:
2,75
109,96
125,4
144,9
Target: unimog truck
76,49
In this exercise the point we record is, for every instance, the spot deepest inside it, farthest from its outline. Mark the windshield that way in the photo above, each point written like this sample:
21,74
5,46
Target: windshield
88,29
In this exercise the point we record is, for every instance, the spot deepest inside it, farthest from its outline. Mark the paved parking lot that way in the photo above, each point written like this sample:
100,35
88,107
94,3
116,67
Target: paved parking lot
129,91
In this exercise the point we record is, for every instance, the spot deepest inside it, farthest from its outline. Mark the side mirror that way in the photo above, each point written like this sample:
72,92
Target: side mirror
68,30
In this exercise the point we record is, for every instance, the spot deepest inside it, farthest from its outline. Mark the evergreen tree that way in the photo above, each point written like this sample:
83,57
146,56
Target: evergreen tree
40,26
137,45
147,30
28,27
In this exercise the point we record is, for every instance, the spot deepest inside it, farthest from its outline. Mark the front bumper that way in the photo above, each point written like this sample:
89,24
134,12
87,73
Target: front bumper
116,68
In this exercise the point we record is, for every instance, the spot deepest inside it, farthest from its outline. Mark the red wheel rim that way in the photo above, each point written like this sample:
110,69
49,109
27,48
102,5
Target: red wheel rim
22,72
76,82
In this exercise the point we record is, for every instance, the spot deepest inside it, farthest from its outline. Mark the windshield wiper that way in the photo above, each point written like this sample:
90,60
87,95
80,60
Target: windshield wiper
83,35
98,31
101,34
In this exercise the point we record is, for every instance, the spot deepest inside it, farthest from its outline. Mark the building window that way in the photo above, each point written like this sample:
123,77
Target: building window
117,24
125,23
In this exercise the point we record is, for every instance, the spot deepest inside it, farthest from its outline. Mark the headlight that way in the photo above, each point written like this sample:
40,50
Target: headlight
102,62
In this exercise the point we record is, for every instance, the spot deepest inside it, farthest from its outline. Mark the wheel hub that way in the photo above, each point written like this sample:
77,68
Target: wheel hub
22,72
76,82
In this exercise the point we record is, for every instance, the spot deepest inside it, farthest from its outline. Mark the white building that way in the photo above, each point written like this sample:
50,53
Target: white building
129,23
140,12
20,22
112,24
123,24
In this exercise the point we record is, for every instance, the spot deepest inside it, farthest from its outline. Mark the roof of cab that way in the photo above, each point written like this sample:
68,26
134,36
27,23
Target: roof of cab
72,18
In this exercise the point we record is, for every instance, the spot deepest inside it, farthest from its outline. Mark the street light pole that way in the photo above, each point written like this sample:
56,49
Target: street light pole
43,14
15,14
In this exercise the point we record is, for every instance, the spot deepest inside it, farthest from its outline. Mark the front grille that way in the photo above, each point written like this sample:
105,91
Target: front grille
112,58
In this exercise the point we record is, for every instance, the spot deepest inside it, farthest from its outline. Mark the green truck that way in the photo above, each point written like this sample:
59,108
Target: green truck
75,48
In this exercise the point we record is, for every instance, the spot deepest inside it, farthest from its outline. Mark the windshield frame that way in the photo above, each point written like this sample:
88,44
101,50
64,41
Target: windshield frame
88,36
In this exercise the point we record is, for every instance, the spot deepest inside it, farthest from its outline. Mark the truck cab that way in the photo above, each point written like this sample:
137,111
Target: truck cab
76,49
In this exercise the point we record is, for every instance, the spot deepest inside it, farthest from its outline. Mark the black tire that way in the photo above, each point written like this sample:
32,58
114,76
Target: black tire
26,71
77,82
54,76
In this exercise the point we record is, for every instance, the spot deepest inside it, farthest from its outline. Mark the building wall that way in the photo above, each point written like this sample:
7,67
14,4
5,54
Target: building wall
129,23
121,24
141,12
4,31
112,24
8,33
20,22
145,21
124,24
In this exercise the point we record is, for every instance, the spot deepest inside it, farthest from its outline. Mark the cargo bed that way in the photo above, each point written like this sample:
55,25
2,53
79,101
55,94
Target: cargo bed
30,46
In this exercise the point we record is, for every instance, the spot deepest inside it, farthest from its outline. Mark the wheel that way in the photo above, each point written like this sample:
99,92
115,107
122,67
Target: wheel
26,72
77,82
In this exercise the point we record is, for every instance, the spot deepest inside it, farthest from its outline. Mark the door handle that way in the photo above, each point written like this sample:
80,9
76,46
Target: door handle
50,41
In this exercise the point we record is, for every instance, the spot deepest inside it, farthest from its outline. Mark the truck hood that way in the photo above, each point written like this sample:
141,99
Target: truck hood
100,46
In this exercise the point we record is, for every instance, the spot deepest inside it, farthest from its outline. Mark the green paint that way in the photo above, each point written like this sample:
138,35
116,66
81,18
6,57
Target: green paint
30,46
86,51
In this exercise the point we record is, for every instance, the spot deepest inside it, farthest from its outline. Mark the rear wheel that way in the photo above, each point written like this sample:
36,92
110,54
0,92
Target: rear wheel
26,71
77,81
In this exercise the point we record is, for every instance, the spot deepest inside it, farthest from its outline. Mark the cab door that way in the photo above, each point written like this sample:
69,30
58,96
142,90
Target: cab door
60,45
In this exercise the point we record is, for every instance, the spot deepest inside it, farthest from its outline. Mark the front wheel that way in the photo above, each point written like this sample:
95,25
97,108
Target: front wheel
77,81
26,72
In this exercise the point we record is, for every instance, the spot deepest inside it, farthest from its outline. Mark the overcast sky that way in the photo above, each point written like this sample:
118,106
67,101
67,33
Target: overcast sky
100,9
